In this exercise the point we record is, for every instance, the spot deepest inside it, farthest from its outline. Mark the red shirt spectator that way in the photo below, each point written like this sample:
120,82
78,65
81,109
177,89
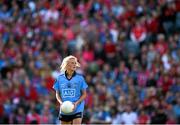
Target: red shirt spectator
143,118
3,94
171,121
89,99
142,78
161,46
57,30
81,8
1,110
33,118
88,54
109,47
28,91
69,34
49,82
128,14
165,82
1,28
138,33
152,23
177,4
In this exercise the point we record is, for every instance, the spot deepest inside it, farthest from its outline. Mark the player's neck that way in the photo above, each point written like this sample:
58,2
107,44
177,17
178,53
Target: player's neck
69,73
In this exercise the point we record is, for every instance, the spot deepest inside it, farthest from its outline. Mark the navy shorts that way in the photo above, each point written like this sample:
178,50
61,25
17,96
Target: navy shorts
68,118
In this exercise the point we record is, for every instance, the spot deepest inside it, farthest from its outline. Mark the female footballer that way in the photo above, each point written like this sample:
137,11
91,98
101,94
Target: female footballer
71,86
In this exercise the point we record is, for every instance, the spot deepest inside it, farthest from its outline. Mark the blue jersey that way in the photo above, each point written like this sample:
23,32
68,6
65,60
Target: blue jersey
70,89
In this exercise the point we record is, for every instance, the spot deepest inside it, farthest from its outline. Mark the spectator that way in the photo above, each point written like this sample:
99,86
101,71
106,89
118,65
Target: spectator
129,117
138,33
159,117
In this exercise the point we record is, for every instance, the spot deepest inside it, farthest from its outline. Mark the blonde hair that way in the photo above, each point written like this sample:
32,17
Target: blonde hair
65,62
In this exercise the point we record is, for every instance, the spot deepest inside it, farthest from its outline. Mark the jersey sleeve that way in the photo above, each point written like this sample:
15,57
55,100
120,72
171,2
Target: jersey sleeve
56,85
84,84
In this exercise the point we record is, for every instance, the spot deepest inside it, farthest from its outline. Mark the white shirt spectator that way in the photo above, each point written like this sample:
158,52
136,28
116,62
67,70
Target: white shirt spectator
129,118
114,34
50,14
166,62
116,120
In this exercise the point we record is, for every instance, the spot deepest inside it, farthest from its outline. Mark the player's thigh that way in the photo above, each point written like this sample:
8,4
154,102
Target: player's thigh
77,121
66,123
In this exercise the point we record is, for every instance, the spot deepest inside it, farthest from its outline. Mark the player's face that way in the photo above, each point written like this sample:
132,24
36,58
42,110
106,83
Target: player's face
71,65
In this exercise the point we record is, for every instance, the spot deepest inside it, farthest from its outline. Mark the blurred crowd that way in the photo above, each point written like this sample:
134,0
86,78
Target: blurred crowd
129,52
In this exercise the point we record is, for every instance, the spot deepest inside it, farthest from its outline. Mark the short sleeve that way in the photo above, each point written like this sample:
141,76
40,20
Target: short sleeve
56,85
84,84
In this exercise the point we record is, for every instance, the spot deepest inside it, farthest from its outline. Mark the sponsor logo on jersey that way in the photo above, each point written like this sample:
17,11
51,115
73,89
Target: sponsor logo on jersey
68,93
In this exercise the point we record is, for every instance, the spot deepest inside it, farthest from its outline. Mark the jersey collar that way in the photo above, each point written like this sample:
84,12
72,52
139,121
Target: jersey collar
65,74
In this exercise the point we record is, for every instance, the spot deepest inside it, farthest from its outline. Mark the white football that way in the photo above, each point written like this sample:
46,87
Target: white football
67,107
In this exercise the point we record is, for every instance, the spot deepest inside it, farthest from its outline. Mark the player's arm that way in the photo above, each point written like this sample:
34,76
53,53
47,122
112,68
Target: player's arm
83,96
83,92
58,97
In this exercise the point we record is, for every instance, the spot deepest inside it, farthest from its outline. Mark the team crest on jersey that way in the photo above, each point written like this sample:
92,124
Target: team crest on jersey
68,93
